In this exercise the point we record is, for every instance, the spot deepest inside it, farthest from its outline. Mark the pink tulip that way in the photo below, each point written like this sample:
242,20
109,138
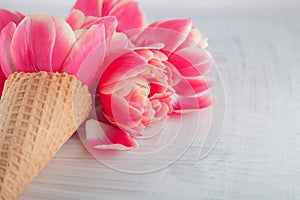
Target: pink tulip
127,12
47,43
162,71
5,18
131,97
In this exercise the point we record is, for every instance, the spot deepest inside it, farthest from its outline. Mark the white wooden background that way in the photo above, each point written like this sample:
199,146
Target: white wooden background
257,157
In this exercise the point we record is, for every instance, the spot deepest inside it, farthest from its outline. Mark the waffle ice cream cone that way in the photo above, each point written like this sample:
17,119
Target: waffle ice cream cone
38,114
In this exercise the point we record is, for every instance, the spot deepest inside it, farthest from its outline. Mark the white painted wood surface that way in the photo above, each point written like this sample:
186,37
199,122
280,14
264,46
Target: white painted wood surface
257,156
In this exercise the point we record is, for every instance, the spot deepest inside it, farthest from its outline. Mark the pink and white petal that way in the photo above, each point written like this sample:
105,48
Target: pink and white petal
41,40
115,47
89,71
162,31
110,24
118,43
64,40
123,87
109,78
6,61
6,17
79,32
103,136
183,103
190,86
191,61
182,26
161,111
119,110
151,52
146,54
20,47
129,15
159,92
89,7
149,47
124,67
195,38
107,6
75,19
83,47
160,55
156,23
90,21
20,15
201,39
132,34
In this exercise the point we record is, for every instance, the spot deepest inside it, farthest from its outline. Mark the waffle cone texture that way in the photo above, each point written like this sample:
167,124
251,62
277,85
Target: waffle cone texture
39,112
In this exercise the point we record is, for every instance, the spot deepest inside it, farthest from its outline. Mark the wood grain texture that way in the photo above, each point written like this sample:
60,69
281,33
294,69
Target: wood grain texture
257,156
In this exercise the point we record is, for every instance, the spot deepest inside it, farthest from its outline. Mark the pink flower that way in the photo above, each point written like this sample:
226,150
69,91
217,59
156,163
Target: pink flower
161,71
5,18
127,12
135,91
48,43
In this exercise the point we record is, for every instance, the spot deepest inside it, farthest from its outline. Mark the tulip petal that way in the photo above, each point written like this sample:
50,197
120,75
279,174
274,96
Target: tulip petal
7,17
64,40
20,15
89,71
162,31
125,67
79,32
118,43
34,41
183,103
195,38
182,26
146,54
82,48
110,24
115,47
75,19
191,61
118,111
41,37
120,85
160,56
107,5
102,136
20,47
6,61
190,86
90,7
129,15
32,44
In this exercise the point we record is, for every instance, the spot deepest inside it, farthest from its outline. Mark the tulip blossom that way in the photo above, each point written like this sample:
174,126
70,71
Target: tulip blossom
162,71
48,43
127,12
5,18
